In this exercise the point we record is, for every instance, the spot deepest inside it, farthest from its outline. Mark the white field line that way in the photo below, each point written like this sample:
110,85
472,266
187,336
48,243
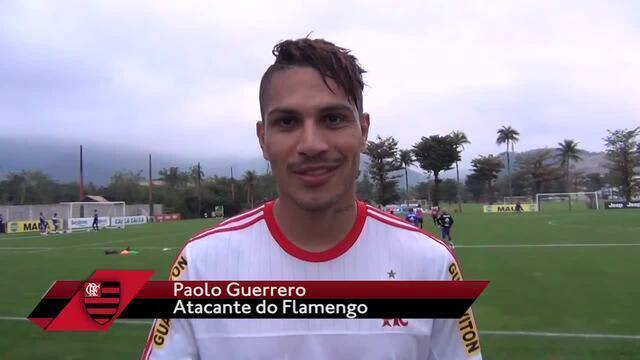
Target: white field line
487,332
135,248
23,250
88,246
556,334
41,237
544,245
555,223
123,321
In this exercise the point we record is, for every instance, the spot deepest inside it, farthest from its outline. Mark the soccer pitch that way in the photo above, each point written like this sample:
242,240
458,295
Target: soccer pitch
563,284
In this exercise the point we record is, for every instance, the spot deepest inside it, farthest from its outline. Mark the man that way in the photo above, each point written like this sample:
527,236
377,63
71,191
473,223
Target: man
42,225
446,222
1,224
519,208
94,225
420,216
435,210
312,132
412,218
56,223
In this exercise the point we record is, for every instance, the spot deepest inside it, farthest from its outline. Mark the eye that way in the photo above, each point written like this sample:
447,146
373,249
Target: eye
334,119
285,122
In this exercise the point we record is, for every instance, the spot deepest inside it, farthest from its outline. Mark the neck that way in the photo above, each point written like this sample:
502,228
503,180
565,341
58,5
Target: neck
315,231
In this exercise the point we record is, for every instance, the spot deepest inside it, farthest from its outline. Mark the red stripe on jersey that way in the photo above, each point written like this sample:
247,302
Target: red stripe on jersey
227,226
385,218
225,229
229,221
242,216
343,246
202,234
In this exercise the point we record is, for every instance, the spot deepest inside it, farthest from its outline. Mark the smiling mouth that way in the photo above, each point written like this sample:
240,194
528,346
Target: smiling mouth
315,176
315,172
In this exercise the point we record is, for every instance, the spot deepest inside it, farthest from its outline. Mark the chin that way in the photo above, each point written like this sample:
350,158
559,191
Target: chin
316,203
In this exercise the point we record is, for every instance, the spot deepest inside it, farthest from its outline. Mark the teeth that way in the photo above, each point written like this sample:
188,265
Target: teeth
317,172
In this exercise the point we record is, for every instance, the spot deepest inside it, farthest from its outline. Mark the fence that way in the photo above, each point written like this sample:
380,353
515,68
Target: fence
31,212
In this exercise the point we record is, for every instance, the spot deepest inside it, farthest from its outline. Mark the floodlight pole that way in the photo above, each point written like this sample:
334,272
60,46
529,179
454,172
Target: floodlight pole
150,189
81,177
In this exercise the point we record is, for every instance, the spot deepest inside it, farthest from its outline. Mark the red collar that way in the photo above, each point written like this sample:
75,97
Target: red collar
329,254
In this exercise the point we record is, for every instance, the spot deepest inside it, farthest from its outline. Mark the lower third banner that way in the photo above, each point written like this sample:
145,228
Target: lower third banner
108,295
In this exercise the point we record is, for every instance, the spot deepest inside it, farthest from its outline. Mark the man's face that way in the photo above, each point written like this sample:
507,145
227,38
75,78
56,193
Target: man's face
312,137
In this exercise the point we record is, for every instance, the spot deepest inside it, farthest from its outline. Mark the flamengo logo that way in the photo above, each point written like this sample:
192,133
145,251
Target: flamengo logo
101,300
92,290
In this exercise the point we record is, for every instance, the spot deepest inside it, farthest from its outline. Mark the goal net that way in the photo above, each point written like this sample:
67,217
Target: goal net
567,201
80,215
516,199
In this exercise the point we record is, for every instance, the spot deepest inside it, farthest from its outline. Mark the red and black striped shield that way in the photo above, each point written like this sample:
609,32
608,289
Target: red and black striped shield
101,300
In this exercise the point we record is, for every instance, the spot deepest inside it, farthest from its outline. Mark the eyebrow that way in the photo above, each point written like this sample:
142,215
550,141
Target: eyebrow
324,109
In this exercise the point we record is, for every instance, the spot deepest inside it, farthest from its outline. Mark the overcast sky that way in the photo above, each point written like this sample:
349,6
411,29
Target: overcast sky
182,76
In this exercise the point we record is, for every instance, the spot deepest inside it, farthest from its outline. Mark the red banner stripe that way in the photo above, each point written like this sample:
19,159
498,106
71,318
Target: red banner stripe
101,300
63,289
110,290
390,289
107,301
102,311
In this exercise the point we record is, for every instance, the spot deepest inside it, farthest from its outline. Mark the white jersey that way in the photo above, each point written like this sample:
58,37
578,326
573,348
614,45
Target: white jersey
252,247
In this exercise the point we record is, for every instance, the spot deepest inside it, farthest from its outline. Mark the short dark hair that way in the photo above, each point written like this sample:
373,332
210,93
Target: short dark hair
329,60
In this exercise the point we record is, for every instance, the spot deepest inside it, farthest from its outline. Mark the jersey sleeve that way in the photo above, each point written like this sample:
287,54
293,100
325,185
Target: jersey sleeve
455,339
173,338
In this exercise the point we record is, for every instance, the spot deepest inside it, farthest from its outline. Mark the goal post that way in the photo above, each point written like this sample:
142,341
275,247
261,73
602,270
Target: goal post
568,201
80,215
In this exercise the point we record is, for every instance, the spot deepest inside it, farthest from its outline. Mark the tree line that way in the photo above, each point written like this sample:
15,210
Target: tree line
189,192
547,170
192,193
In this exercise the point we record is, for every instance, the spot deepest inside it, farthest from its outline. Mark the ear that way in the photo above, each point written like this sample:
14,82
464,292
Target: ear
364,128
260,130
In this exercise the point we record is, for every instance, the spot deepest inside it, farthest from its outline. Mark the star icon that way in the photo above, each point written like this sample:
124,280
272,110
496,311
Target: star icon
392,275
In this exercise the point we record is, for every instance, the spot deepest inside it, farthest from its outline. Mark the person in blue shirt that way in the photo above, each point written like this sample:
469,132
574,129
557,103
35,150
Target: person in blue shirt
412,218
94,226
42,225
446,222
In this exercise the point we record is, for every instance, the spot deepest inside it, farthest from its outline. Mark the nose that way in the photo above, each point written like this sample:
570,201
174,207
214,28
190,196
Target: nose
313,140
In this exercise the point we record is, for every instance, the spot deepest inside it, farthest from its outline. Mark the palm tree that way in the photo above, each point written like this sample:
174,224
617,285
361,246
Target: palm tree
459,138
508,135
406,160
249,179
568,152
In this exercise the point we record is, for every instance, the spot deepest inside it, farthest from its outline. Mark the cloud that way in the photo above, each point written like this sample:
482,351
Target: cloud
183,76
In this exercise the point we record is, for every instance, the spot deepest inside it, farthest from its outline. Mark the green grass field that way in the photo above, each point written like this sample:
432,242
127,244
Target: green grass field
563,284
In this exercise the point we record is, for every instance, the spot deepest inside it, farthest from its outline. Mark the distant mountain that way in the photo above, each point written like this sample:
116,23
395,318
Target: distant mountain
60,160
